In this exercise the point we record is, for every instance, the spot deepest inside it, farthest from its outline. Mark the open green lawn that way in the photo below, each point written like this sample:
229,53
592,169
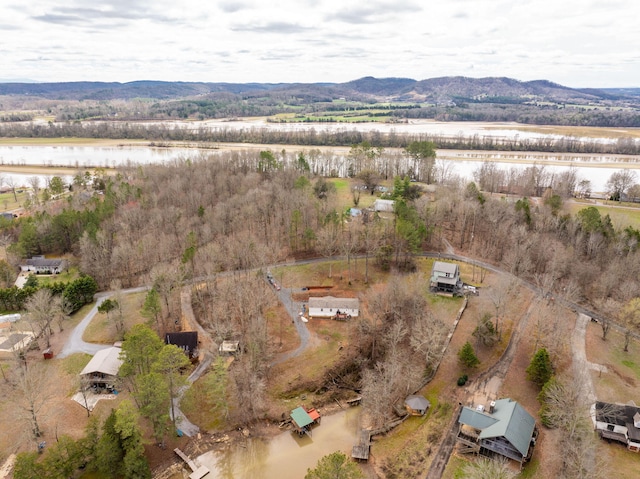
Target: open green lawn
621,214
345,195
9,202
102,329
65,277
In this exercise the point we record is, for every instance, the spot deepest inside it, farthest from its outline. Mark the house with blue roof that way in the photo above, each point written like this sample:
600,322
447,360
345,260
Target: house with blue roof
506,429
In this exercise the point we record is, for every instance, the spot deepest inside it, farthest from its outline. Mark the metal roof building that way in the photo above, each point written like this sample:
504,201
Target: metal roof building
507,430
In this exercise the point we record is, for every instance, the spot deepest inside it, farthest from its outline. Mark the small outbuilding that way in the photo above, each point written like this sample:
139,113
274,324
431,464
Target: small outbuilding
383,205
229,347
302,419
417,405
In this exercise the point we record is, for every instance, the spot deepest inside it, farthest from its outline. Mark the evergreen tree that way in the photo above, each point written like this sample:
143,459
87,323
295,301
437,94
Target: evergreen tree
540,369
134,464
28,467
109,452
334,466
467,356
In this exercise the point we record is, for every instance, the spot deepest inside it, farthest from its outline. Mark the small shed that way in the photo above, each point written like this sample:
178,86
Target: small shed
416,405
383,205
229,347
48,353
302,419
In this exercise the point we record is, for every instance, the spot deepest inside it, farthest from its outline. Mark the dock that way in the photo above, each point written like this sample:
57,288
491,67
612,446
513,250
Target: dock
361,450
198,471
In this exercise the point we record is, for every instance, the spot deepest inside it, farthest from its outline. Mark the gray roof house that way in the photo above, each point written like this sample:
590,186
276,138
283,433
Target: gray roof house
42,265
507,429
445,277
618,422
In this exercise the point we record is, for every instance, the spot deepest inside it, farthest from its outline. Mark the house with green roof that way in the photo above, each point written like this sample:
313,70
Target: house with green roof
507,429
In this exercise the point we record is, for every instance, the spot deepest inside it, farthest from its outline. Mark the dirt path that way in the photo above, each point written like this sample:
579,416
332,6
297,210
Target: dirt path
582,367
487,385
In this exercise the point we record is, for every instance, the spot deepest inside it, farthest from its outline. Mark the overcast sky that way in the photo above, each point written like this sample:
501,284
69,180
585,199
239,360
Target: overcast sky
581,43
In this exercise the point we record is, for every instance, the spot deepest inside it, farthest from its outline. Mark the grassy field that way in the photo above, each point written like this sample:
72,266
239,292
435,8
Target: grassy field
345,196
621,214
9,202
103,330
65,277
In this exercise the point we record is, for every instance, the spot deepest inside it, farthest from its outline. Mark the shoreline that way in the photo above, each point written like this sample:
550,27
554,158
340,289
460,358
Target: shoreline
578,160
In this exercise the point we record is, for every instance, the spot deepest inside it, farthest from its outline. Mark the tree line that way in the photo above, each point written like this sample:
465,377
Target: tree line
162,132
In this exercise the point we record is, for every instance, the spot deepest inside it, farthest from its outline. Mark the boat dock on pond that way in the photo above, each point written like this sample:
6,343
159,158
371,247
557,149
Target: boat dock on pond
198,471
361,450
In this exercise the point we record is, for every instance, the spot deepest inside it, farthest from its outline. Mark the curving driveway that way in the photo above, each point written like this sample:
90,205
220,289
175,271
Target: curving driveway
75,343
293,308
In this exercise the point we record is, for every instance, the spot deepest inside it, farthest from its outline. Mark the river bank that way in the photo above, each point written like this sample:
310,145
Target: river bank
233,441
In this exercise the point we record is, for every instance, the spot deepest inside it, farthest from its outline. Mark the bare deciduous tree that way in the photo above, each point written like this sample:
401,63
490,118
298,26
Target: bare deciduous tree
34,383
41,309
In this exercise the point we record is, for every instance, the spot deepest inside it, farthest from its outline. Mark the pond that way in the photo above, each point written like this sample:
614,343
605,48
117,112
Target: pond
285,456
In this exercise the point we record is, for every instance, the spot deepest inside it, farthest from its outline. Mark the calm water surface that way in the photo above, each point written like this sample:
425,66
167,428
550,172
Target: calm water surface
462,163
285,456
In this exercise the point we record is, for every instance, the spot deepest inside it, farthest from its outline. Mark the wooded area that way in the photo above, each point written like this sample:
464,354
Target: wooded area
238,213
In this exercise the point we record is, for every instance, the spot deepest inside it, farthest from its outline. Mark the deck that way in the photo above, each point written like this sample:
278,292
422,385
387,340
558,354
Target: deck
361,450
198,471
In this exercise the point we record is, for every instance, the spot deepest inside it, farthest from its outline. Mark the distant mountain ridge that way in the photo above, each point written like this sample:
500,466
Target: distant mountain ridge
433,90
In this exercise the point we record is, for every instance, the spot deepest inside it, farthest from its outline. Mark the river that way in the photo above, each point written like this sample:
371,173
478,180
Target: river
285,456
595,168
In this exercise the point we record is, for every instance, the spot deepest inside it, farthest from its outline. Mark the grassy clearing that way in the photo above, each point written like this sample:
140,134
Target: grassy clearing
290,382
9,202
201,408
103,330
621,217
455,468
75,363
65,277
345,196
623,464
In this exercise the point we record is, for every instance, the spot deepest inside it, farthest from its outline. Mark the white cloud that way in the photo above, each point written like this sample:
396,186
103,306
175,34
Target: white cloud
572,42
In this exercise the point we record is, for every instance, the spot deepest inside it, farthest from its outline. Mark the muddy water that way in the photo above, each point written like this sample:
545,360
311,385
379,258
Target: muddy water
286,456
595,168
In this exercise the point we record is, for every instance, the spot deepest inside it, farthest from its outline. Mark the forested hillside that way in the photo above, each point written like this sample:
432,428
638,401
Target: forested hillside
445,98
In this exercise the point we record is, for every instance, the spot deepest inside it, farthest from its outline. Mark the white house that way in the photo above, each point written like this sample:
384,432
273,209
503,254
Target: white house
102,371
618,422
330,306
383,205
42,265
